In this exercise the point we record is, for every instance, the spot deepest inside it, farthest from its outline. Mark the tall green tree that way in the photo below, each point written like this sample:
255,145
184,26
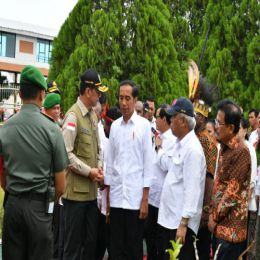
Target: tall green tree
229,59
122,39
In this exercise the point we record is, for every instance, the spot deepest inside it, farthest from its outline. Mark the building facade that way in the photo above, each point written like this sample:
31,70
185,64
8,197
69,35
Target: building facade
21,44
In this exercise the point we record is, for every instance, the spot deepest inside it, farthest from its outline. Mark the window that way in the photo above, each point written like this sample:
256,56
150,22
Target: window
44,48
7,44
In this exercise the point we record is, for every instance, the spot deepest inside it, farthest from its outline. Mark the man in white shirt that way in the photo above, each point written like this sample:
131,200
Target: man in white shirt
182,194
254,124
128,175
163,121
151,118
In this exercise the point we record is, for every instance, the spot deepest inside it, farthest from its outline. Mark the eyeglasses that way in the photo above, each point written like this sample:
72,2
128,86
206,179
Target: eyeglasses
217,123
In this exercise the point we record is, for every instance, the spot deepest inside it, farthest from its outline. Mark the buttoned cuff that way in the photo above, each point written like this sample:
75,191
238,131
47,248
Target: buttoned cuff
147,183
107,180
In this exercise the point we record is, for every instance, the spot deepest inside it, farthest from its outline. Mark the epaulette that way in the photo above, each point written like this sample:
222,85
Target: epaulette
48,117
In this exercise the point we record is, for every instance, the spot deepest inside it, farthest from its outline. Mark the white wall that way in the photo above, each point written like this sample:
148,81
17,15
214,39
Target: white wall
25,58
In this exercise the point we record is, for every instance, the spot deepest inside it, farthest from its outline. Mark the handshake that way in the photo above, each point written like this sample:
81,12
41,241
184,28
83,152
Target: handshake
96,174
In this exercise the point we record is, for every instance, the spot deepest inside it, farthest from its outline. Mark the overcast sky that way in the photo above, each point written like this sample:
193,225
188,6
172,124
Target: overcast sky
46,13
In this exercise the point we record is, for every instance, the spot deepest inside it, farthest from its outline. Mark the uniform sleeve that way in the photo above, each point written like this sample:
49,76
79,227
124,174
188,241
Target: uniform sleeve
69,132
60,157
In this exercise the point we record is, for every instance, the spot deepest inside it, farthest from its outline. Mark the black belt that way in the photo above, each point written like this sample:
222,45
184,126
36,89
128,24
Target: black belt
30,195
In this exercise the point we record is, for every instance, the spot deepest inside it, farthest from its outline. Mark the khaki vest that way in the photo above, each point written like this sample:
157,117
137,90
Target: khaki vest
80,188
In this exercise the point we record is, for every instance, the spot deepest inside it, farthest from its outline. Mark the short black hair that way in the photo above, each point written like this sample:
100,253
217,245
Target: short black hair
232,113
150,98
103,98
245,125
211,121
83,86
29,91
132,84
255,111
163,108
114,113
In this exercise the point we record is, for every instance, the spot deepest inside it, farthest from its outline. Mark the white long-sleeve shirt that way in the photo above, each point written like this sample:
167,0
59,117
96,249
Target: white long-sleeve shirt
129,161
102,194
183,189
168,140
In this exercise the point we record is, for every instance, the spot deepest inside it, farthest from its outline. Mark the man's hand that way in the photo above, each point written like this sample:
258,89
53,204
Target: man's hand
181,233
211,224
96,174
158,141
144,209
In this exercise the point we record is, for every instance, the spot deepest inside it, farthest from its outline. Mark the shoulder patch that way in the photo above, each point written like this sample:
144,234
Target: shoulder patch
71,126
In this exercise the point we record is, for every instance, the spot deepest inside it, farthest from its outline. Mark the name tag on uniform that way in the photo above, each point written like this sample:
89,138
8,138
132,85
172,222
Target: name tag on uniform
85,130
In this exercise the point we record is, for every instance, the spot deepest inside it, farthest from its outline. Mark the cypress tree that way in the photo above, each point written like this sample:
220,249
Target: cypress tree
233,28
122,39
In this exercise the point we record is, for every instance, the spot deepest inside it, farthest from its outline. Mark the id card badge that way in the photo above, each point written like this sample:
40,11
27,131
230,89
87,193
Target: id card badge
51,207
50,200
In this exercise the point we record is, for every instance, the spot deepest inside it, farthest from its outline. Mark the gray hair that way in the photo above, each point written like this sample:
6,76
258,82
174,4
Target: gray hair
190,121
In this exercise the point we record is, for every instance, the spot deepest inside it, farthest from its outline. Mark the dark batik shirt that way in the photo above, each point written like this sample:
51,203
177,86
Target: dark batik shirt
230,192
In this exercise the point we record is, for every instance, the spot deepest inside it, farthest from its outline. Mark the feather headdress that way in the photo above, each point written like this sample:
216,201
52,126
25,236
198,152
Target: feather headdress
201,93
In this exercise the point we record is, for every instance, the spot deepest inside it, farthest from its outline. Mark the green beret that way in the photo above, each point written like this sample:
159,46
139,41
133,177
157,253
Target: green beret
32,76
51,100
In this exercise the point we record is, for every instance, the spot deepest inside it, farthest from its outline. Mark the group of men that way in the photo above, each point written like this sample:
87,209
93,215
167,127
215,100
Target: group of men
161,178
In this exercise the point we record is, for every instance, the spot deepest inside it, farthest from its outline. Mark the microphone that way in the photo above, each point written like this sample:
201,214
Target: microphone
155,132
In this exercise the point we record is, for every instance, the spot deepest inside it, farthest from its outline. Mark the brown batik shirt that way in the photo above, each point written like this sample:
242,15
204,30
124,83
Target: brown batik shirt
211,153
230,192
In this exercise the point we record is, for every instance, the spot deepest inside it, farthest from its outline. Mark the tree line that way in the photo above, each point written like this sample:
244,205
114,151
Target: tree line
151,41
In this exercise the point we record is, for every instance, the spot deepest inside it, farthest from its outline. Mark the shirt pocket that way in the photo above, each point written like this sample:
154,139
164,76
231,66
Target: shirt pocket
81,184
85,145
177,169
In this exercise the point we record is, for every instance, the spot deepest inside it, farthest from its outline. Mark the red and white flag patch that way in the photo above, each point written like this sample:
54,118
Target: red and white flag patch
71,126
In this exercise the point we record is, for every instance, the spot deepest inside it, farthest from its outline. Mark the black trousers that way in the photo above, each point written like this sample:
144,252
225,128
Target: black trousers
103,242
80,229
58,231
126,234
164,236
204,243
150,233
27,230
228,250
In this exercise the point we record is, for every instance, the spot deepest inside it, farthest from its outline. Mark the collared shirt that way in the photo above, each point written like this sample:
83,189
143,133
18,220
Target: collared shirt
253,179
102,194
230,192
253,138
69,131
168,140
183,189
153,123
129,167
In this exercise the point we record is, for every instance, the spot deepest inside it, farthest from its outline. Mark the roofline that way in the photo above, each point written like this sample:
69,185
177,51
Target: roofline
17,68
27,33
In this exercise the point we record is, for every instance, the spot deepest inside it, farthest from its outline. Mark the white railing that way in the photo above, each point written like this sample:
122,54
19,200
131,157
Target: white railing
10,100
